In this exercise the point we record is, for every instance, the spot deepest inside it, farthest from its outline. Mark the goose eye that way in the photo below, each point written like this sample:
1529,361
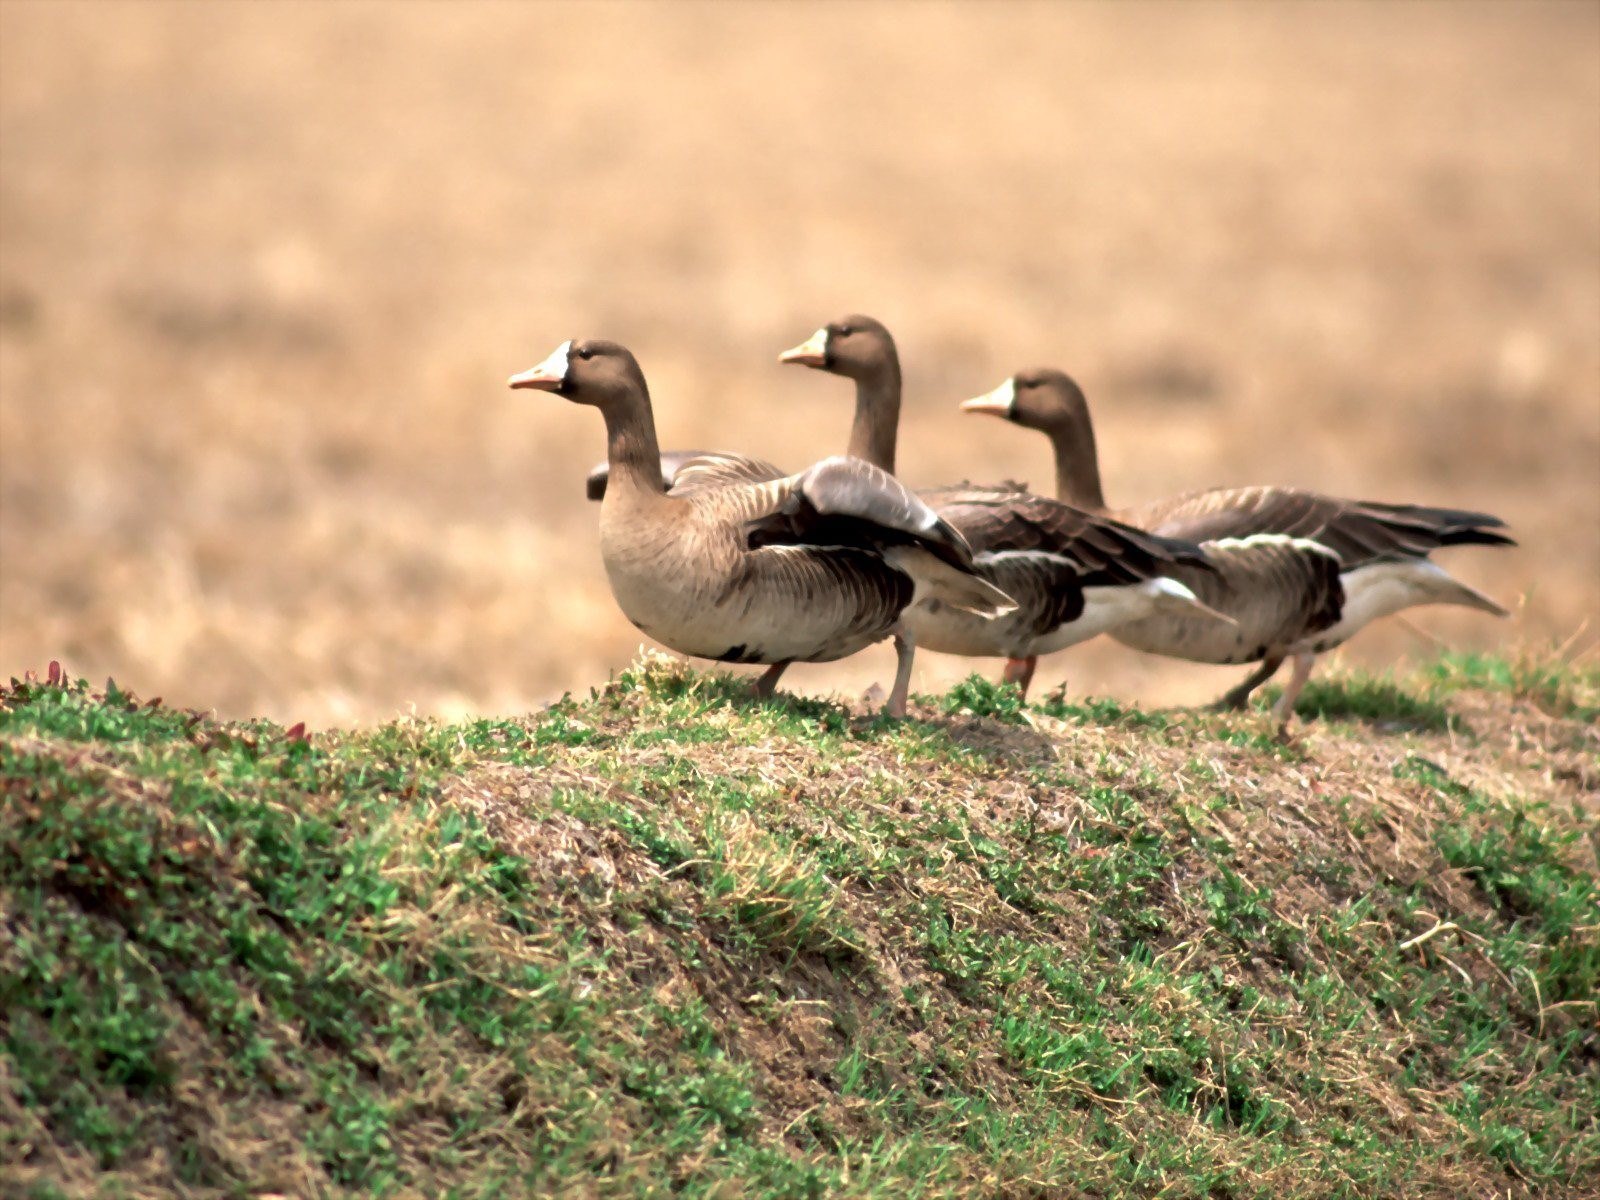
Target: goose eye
586,353
844,331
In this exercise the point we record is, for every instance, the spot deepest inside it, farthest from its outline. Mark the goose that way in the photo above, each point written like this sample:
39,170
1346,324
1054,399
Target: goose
1300,572
809,567
1072,573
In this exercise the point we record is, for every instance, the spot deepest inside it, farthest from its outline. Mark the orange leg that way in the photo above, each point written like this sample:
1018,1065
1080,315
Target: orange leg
1020,672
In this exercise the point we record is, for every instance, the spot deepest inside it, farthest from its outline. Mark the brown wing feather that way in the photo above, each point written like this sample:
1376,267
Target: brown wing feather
1359,532
1104,550
849,502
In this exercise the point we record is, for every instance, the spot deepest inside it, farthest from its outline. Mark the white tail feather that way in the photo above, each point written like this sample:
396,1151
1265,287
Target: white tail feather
1385,588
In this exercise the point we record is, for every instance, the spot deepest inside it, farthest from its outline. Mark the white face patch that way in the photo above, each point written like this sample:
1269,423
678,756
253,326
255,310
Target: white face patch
556,365
552,368
1006,394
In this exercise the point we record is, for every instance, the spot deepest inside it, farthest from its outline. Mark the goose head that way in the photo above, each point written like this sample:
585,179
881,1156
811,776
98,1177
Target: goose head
855,346
591,371
1046,399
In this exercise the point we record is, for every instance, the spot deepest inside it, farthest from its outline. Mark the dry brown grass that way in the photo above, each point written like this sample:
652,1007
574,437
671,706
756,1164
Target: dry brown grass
265,269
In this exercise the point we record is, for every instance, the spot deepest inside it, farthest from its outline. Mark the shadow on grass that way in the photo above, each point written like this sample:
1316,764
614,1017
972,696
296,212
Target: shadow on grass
1374,701
1103,710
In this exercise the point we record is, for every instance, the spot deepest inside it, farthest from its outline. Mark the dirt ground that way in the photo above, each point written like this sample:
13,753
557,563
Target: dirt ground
264,270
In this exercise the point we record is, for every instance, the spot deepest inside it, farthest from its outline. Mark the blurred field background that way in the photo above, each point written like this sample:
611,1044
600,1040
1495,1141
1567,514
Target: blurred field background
264,270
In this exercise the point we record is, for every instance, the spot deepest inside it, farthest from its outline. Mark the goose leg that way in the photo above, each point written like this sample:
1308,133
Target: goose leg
1239,697
767,682
1020,672
905,649
1284,708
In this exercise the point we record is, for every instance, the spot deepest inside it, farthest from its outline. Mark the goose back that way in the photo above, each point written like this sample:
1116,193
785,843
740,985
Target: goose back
1359,532
1106,551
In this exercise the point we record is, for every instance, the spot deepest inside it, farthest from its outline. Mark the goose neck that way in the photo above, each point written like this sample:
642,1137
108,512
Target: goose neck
1077,463
632,450
877,420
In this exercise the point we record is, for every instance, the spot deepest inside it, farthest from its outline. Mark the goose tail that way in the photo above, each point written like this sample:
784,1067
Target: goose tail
1385,588
1452,591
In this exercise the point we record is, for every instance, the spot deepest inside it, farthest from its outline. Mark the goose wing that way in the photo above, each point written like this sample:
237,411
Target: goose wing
845,507
1359,532
1102,550
686,471
844,501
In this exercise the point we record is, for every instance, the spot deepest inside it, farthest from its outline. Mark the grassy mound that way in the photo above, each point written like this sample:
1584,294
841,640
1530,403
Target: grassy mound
669,941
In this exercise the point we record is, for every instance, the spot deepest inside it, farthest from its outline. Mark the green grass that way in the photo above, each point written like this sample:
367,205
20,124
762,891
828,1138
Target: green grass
1561,688
667,940
980,697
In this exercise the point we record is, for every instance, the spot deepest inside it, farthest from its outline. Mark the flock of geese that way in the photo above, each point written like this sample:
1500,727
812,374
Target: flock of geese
723,556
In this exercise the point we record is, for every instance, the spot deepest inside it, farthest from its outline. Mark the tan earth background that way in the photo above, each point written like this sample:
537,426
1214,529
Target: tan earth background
264,270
